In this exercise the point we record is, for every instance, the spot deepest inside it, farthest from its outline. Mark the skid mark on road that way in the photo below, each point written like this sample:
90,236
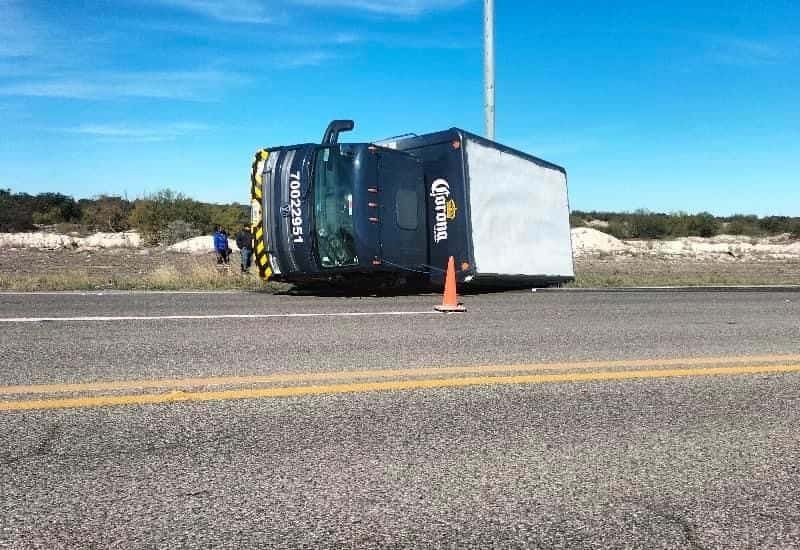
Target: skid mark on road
395,385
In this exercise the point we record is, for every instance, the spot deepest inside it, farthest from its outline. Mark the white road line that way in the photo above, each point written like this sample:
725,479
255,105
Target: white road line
210,317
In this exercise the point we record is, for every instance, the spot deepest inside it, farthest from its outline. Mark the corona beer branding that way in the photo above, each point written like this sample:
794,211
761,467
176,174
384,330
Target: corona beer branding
444,208
451,210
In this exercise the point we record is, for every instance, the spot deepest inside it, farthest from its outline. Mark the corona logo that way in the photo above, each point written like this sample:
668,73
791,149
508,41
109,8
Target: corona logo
451,210
442,208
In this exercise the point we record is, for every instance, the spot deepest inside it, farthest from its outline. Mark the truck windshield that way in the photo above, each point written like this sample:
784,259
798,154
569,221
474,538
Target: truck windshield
333,200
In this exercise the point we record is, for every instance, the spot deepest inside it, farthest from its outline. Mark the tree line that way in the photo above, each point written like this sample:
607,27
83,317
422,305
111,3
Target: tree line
167,216
643,224
164,217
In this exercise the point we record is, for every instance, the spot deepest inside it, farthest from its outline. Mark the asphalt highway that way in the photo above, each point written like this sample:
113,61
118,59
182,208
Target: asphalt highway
533,420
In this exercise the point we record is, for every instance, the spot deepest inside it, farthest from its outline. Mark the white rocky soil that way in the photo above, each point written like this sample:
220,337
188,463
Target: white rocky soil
587,241
50,241
199,245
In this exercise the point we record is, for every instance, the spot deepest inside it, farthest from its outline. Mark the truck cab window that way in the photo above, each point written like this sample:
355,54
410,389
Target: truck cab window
333,199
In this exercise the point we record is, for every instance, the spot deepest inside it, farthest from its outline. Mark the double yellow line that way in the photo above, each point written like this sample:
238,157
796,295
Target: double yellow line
359,381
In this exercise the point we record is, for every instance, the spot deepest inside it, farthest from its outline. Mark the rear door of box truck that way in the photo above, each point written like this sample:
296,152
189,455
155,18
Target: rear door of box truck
519,212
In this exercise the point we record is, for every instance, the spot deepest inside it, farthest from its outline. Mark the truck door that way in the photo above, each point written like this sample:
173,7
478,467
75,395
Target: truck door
403,221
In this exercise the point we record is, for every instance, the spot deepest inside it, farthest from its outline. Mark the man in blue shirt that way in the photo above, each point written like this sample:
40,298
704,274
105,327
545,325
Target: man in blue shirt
221,246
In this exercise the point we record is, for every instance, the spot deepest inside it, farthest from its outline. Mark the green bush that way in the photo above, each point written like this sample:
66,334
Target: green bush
106,213
51,216
643,224
775,225
646,225
743,225
152,217
703,225
619,229
177,230
14,216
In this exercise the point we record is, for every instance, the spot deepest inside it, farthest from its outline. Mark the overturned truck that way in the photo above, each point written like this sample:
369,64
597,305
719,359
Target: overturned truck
393,212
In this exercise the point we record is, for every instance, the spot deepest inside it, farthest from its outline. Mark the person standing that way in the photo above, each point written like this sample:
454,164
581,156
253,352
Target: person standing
221,246
244,240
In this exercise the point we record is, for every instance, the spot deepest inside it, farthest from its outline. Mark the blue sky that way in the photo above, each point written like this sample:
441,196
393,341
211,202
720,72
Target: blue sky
666,106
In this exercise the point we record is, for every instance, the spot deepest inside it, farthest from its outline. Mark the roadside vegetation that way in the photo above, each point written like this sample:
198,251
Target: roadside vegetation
200,277
165,217
643,224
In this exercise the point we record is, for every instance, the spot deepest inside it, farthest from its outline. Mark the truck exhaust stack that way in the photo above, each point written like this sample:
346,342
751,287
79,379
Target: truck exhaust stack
331,136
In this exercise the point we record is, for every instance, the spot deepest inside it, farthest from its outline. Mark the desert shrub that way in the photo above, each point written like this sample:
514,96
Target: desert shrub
54,208
703,225
743,225
775,225
51,216
106,213
16,211
231,217
177,230
148,219
619,229
152,216
21,211
646,225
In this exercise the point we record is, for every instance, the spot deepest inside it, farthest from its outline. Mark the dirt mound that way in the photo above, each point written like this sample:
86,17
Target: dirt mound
198,245
586,240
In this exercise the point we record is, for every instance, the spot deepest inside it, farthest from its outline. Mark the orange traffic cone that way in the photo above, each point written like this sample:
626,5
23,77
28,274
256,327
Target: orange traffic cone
450,300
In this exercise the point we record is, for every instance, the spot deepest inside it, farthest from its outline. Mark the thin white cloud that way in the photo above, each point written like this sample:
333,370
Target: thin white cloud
230,11
346,38
445,41
292,60
126,132
276,11
736,51
179,85
403,8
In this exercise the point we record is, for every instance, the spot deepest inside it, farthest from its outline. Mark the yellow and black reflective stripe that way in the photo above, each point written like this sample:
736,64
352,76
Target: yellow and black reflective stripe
256,195
256,172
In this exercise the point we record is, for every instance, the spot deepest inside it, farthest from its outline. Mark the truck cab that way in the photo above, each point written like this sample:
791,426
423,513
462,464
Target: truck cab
332,210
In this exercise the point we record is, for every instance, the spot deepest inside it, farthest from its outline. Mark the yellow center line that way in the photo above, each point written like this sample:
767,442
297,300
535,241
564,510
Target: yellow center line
395,385
387,373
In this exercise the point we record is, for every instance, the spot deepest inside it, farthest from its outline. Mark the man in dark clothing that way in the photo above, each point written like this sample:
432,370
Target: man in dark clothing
244,240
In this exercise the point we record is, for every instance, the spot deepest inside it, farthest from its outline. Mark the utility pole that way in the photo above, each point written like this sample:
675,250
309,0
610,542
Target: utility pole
488,65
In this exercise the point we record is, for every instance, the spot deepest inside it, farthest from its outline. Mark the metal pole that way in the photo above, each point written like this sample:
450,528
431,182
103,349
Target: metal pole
488,65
